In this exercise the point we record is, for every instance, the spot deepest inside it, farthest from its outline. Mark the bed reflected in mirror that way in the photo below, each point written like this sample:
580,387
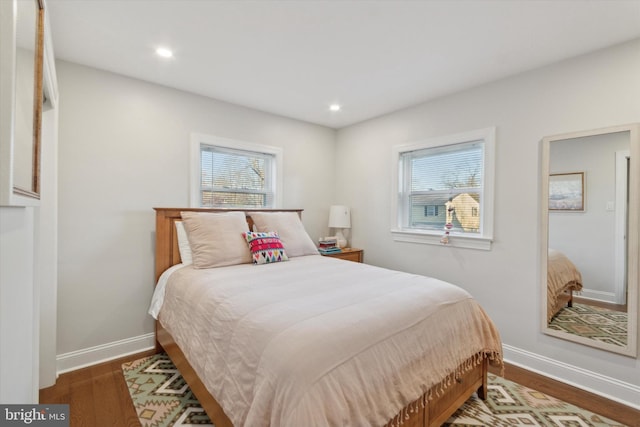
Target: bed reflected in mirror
589,251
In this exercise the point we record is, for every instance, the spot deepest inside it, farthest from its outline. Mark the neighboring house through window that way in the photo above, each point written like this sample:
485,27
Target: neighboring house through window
431,210
445,180
227,173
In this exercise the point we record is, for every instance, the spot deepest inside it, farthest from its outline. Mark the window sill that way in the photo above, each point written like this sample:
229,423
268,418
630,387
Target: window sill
431,238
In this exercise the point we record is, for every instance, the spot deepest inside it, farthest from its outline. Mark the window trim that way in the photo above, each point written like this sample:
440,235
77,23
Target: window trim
432,237
194,181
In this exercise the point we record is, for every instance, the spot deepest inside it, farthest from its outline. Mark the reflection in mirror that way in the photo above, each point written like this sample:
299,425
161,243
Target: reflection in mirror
28,100
590,238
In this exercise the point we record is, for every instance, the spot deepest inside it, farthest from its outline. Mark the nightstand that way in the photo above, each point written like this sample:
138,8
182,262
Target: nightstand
350,254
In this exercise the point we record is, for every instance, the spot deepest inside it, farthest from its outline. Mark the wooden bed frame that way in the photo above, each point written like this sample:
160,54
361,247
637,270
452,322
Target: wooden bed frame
421,413
569,284
565,299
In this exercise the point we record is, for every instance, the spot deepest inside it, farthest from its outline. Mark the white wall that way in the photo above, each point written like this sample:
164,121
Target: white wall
46,255
28,264
588,238
28,244
28,280
124,149
18,352
593,91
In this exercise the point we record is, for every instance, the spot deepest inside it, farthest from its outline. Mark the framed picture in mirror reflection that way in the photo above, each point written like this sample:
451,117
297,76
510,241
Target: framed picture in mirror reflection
566,192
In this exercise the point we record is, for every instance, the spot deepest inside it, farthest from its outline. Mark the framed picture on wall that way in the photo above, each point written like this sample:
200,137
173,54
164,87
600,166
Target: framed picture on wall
566,192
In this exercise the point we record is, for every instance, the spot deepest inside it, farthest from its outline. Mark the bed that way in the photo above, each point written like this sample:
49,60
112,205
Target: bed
563,279
360,353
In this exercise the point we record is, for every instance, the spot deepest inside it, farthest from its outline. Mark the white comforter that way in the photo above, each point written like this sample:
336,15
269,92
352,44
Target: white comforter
317,341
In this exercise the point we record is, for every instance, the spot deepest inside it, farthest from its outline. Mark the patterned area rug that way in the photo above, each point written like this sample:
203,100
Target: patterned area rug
162,399
596,323
510,404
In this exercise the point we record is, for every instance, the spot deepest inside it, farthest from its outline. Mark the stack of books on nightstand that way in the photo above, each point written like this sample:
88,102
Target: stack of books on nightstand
328,246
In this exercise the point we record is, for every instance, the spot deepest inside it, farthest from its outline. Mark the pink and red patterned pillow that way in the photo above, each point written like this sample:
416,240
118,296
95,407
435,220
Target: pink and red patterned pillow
265,247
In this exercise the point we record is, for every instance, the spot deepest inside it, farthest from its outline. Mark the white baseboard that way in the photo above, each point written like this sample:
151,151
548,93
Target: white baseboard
610,388
103,353
597,295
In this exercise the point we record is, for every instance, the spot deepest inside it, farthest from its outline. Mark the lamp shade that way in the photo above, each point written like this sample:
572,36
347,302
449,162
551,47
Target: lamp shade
339,217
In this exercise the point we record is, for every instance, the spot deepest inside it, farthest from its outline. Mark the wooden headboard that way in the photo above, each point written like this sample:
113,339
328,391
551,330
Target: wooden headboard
167,253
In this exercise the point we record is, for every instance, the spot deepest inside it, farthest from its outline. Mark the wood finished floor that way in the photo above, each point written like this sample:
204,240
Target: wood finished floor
601,304
98,395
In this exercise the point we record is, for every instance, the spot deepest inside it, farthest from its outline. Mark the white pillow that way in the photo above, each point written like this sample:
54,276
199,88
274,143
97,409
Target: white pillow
183,244
216,238
292,234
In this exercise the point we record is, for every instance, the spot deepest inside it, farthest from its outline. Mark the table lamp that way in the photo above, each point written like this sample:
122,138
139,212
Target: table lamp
340,219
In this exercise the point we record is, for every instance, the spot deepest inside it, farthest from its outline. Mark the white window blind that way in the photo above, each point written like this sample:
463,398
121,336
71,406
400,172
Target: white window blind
236,178
230,173
444,184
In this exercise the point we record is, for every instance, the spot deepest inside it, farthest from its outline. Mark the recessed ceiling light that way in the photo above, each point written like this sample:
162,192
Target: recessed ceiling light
164,52
334,107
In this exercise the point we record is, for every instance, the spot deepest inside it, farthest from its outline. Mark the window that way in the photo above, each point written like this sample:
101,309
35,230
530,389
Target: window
431,210
446,183
234,174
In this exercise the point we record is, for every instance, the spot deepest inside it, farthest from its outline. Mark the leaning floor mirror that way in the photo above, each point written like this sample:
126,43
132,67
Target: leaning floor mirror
589,237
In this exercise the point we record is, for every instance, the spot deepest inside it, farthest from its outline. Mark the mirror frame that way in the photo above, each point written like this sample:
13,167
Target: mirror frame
631,348
38,79
27,193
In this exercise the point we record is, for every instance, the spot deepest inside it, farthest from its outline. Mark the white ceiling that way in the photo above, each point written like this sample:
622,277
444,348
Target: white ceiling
294,58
